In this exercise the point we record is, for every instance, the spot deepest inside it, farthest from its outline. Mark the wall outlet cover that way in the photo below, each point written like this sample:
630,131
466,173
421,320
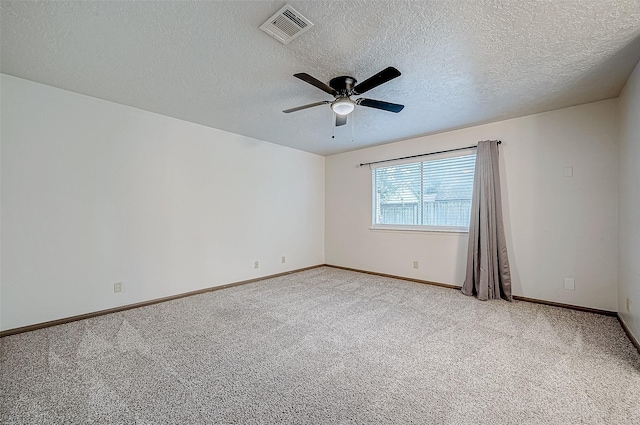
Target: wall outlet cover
569,284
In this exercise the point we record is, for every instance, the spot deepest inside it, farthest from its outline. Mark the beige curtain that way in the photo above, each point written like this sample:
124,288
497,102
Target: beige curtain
488,274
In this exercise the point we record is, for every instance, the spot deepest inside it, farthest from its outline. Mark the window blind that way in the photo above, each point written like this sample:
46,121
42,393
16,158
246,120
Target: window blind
434,193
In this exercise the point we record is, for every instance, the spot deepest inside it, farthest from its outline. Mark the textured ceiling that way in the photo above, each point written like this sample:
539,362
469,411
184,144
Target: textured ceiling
462,62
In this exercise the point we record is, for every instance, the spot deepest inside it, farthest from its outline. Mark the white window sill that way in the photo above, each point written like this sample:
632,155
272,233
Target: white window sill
420,229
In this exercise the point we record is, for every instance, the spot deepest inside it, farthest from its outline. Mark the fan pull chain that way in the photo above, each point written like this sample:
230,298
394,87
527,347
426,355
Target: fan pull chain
333,126
353,119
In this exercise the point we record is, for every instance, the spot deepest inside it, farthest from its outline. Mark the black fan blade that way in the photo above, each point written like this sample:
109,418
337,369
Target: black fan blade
311,105
378,104
341,120
315,82
381,77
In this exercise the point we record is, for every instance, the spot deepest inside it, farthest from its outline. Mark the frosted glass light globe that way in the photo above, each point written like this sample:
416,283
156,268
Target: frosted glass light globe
343,106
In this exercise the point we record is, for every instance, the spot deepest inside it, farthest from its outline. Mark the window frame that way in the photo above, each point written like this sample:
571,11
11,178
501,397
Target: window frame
416,228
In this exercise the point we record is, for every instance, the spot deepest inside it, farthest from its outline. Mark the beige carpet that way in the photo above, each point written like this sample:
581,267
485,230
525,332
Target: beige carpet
325,346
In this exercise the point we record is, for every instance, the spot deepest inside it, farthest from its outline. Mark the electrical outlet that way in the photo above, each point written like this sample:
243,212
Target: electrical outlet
569,284
415,264
256,264
628,305
117,287
284,259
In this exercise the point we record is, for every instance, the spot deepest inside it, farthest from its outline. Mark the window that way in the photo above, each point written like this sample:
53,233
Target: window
430,195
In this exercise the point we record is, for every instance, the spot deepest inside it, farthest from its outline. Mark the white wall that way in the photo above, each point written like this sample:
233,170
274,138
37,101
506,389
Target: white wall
556,226
629,252
94,192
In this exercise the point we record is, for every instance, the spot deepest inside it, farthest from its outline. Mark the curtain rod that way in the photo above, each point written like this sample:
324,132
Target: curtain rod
422,154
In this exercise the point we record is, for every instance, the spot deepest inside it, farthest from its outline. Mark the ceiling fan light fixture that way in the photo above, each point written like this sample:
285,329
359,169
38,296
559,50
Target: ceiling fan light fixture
343,106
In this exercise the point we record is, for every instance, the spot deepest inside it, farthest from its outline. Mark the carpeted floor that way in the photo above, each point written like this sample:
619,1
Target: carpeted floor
325,346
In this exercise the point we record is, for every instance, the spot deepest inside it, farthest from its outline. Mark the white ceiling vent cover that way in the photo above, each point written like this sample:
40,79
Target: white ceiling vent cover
286,25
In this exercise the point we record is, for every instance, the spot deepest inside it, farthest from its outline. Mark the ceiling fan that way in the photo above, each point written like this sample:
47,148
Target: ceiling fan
342,88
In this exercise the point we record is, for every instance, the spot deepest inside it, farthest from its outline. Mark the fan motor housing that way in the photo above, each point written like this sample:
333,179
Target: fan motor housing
343,85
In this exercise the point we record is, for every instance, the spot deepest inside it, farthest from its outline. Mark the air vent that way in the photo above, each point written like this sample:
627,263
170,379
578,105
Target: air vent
286,25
